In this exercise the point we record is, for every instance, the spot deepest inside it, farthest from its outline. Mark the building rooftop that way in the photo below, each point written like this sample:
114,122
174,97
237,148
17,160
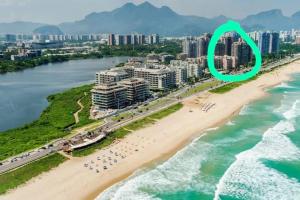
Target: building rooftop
107,87
114,72
132,80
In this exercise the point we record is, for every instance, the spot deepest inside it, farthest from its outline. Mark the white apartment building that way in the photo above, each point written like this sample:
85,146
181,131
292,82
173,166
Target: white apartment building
110,76
158,78
193,69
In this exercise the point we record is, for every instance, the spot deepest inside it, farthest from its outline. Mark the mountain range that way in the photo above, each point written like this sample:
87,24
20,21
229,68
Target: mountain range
146,18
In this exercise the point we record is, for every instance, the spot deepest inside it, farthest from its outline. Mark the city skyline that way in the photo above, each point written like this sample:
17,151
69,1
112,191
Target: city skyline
28,10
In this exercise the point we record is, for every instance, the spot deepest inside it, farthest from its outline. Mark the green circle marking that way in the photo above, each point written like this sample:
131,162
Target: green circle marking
228,27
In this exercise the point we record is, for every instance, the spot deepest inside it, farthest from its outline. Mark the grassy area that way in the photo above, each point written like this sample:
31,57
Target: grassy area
90,127
122,132
200,88
20,176
166,112
152,105
231,86
121,116
142,123
169,47
8,65
84,115
151,119
51,125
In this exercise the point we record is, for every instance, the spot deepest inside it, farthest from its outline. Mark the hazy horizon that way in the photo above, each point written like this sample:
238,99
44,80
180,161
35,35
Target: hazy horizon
42,11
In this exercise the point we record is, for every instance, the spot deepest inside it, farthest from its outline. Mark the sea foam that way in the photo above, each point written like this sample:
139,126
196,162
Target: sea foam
249,178
284,85
173,175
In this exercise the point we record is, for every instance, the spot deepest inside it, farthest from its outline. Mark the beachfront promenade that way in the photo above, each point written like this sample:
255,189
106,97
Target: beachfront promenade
26,158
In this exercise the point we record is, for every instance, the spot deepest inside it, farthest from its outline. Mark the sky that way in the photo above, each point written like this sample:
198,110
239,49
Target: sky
58,11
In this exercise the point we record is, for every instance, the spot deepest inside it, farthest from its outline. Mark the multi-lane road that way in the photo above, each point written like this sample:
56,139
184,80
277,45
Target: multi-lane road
33,155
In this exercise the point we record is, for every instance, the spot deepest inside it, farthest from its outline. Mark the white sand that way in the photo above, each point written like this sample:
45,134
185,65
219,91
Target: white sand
72,180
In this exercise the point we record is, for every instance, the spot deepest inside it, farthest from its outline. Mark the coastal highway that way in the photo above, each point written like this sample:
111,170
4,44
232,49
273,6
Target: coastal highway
26,158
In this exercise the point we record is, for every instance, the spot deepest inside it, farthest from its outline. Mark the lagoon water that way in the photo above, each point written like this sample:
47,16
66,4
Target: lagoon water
255,156
23,94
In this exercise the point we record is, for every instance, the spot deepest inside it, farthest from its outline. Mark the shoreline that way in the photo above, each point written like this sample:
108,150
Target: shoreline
68,179
64,61
157,161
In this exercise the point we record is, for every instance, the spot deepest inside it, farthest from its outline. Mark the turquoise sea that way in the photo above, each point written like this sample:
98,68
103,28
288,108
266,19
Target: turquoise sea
255,156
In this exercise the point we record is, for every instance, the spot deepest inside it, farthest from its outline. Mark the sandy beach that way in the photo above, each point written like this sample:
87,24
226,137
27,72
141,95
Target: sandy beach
84,178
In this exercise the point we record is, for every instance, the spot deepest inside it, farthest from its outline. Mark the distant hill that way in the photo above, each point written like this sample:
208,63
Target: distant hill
272,19
143,18
146,18
18,27
48,30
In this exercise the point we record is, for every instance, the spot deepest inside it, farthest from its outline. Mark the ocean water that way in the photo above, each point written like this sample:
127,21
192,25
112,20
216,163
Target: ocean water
255,156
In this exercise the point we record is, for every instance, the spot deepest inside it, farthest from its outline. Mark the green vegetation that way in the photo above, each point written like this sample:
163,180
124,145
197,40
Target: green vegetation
286,49
231,86
6,65
152,105
172,48
166,112
122,132
289,49
84,115
10,66
124,115
55,122
20,176
142,123
200,88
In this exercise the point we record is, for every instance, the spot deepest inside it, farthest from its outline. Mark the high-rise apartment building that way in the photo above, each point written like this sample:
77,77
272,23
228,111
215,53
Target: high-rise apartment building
190,47
242,51
137,90
10,38
134,39
220,49
202,46
227,41
119,40
109,96
268,42
158,78
153,39
264,43
110,76
127,40
141,39
274,43
229,62
111,40
297,41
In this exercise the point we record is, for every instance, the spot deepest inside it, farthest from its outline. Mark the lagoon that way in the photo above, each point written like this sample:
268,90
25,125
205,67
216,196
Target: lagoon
23,95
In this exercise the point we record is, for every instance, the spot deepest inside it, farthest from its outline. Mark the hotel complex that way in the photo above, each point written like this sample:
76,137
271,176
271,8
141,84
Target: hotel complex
119,87
116,95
